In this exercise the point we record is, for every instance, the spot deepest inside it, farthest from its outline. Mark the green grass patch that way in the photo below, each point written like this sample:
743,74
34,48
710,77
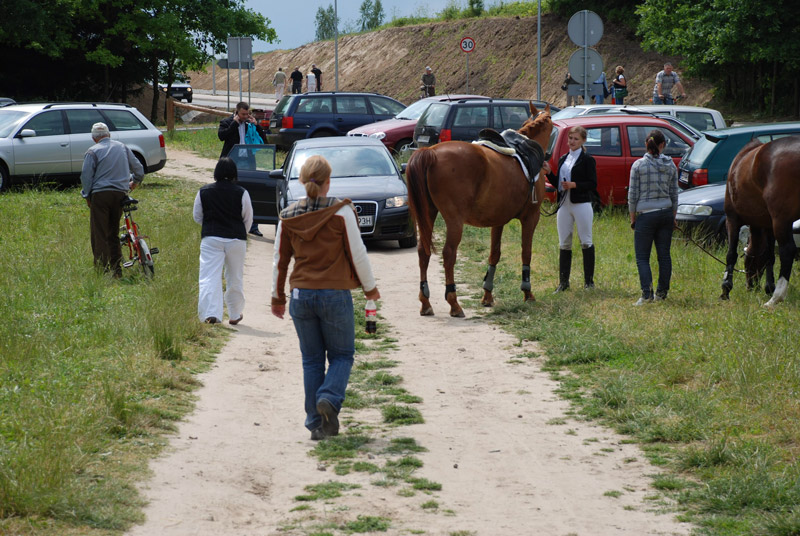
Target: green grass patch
367,524
343,446
402,415
429,505
404,445
424,484
325,491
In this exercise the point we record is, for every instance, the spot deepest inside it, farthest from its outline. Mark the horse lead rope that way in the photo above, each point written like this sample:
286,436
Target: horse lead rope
704,250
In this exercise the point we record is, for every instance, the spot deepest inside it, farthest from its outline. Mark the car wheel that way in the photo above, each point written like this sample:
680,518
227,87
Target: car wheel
141,160
3,178
403,146
408,242
322,134
188,99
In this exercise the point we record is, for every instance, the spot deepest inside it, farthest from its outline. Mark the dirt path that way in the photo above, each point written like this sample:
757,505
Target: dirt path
506,465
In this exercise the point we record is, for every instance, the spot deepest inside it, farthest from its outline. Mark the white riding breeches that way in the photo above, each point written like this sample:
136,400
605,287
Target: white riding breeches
217,254
571,215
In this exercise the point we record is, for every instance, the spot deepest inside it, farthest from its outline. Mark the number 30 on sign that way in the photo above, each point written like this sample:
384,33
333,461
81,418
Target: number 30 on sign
467,44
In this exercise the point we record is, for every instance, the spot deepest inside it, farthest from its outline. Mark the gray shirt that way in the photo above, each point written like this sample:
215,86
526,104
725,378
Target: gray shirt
108,165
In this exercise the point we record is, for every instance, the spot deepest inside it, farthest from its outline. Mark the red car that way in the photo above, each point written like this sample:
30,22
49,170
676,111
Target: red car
398,133
616,142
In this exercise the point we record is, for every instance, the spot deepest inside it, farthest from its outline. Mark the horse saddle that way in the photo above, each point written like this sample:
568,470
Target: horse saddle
528,150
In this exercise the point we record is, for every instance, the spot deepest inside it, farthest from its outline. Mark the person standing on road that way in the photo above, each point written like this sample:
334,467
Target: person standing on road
330,259
572,100
279,81
225,211
297,81
241,128
620,85
311,82
653,205
429,82
110,170
577,184
318,74
666,80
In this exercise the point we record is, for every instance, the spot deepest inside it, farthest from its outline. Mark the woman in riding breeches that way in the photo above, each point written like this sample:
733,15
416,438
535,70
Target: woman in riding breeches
576,181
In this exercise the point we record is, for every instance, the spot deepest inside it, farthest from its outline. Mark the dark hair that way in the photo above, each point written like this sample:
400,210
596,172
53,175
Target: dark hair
226,170
654,141
242,106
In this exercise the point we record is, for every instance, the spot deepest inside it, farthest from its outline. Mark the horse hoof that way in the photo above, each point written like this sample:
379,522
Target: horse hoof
426,311
457,314
724,297
529,297
487,303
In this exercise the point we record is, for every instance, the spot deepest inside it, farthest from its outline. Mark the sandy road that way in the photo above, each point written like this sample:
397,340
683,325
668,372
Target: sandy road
506,465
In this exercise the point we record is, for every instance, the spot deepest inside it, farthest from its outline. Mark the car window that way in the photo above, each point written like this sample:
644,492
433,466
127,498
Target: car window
603,141
81,121
312,105
47,124
253,157
434,115
783,135
383,106
354,161
281,107
637,136
701,151
351,105
472,116
510,116
8,120
699,120
553,139
123,120
414,111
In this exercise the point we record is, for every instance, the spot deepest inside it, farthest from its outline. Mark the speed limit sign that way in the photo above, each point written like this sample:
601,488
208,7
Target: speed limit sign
467,44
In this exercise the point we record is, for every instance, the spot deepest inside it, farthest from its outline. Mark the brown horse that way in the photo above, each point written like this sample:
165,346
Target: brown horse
763,192
474,185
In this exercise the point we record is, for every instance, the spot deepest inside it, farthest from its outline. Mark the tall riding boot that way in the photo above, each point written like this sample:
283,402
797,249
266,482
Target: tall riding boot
588,267
564,265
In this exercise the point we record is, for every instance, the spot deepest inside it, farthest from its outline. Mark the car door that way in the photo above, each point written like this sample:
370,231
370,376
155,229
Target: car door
468,120
676,146
253,163
80,133
383,108
46,153
351,112
509,116
604,143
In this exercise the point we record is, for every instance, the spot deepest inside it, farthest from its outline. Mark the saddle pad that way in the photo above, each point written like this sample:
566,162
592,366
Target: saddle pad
508,152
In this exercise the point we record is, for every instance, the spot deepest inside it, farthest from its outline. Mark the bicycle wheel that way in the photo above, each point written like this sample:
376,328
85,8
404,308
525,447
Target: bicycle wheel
145,258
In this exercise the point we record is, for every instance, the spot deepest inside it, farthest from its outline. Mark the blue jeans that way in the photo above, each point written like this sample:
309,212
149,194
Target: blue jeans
654,228
667,100
325,326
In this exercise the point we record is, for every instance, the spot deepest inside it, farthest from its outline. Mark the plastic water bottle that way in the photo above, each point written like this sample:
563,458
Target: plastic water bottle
371,314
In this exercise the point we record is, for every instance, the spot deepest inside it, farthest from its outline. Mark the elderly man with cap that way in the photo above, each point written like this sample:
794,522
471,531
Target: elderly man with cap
429,82
110,170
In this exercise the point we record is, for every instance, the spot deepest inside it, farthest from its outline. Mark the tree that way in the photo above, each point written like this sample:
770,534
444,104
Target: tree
372,15
326,23
475,8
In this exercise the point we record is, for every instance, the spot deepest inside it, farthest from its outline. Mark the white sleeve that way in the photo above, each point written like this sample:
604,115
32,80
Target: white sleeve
276,257
197,211
358,250
247,210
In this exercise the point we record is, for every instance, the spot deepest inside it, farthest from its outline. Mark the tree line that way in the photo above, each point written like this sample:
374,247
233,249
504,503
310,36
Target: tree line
106,50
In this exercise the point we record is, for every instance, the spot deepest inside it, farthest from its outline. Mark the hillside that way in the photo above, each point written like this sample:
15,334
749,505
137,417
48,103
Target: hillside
503,64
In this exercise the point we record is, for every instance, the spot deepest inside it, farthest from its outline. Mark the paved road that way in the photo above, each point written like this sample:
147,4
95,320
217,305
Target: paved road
204,97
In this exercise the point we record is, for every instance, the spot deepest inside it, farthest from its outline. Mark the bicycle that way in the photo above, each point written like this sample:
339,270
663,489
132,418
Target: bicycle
138,251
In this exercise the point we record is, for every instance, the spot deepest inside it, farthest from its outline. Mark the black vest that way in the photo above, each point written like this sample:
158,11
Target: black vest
222,210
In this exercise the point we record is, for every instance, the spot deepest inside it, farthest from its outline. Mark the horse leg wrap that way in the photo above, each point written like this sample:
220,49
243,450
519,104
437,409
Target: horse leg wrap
526,278
423,287
448,289
488,279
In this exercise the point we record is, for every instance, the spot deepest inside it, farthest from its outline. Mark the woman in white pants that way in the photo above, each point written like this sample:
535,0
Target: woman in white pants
224,210
577,184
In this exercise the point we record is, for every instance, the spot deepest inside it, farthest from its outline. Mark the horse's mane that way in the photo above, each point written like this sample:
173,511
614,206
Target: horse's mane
533,125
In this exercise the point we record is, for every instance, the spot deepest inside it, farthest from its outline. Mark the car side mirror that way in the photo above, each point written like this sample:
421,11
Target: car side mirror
27,133
403,167
276,173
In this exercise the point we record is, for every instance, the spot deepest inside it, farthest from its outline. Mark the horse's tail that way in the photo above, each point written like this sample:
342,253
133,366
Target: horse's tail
419,199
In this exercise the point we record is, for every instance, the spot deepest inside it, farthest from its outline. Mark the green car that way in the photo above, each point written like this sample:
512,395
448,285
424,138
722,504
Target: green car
708,160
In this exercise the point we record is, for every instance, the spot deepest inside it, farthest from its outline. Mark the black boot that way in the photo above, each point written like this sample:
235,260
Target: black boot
588,267
564,265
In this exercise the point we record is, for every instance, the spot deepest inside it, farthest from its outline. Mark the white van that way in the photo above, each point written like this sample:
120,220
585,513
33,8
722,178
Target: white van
695,116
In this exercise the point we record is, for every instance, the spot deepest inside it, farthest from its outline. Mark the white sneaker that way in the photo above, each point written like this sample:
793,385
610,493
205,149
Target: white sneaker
643,301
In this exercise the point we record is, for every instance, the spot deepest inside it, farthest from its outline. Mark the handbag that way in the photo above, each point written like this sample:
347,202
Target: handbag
621,92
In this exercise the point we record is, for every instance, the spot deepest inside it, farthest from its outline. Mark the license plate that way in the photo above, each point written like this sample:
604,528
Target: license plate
273,124
365,221
684,176
424,139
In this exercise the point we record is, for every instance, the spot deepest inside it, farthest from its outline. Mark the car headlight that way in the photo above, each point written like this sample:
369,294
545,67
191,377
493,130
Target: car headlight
188,89
695,210
398,201
378,135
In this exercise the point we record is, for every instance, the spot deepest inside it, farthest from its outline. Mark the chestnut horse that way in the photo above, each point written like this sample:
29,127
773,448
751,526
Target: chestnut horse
474,185
763,192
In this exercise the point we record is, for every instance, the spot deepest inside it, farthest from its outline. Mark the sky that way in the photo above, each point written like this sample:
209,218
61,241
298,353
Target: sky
294,20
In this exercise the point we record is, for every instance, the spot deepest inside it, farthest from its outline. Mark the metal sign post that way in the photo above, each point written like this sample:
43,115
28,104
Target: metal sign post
240,54
467,45
585,28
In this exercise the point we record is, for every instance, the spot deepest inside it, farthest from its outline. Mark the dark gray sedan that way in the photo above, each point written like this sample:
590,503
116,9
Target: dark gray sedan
363,171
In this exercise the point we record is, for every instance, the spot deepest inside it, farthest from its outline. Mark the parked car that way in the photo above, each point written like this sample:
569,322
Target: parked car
364,171
49,140
327,113
254,164
6,101
463,119
397,134
178,90
701,211
616,142
601,109
711,156
697,117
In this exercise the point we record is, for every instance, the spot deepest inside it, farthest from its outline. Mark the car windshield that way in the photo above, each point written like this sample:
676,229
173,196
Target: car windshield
414,111
8,120
253,157
701,150
567,113
434,115
352,161
279,109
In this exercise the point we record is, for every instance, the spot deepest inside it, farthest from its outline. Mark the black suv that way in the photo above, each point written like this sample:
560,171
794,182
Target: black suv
327,113
464,119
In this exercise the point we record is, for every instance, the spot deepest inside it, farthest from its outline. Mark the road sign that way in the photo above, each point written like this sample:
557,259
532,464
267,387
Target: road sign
589,70
467,44
585,28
